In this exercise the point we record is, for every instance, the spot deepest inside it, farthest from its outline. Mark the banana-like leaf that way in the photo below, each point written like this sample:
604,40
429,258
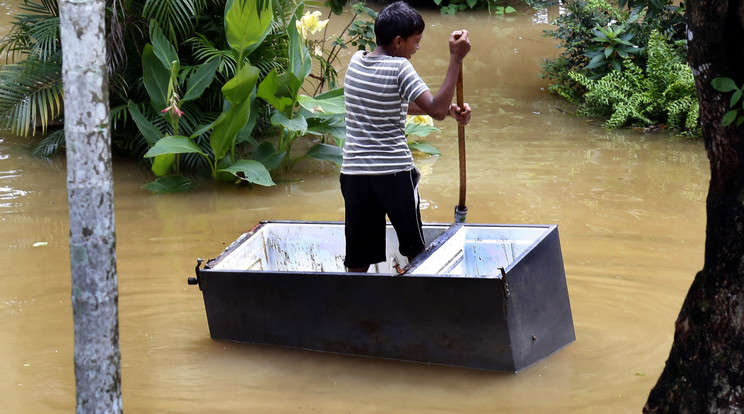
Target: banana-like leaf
280,91
300,62
162,164
424,147
267,155
246,24
325,152
200,80
156,78
174,145
151,133
297,123
163,49
240,87
323,107
251,171
169,184
228,125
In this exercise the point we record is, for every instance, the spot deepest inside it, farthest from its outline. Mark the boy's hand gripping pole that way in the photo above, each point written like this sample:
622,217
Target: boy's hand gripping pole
461,210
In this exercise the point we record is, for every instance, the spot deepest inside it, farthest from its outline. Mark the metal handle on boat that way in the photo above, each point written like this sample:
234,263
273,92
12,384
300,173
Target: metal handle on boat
195,280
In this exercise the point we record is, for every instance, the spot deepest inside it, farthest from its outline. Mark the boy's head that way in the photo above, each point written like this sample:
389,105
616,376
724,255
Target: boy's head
397,19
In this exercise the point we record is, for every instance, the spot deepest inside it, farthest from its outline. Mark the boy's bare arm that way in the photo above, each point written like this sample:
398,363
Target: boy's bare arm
438,106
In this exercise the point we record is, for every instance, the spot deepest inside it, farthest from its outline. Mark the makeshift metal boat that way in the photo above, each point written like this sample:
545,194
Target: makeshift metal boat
482,296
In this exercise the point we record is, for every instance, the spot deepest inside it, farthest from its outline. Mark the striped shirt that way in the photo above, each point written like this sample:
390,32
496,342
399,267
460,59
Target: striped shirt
377,90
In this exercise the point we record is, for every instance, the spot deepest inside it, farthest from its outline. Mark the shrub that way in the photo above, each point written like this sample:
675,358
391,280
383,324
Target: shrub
663,93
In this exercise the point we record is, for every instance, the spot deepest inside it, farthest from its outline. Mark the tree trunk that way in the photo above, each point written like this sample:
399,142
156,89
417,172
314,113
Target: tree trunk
705,369
90,198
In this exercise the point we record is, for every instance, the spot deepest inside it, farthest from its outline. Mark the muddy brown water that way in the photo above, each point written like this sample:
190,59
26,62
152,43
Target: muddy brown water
629,206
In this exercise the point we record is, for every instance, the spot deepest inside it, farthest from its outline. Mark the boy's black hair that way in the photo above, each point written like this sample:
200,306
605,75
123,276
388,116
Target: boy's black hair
397,19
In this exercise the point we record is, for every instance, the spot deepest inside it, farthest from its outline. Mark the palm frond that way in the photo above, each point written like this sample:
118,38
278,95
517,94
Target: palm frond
30,95
176,17
205,51
34,31
49,146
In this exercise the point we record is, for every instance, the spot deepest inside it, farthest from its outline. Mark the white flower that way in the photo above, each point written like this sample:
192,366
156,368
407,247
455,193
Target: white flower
310,23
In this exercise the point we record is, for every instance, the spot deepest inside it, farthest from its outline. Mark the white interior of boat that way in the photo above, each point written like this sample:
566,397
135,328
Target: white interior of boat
472,251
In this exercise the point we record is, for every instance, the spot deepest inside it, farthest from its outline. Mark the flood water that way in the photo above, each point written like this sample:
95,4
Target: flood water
629,206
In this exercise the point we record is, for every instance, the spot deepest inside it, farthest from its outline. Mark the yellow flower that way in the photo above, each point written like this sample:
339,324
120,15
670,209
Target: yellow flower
420,120
310,23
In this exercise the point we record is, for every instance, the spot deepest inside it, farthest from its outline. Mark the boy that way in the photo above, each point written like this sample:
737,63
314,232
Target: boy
378,176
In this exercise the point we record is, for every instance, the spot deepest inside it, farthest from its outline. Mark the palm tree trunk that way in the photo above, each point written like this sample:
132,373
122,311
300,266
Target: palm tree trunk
90,198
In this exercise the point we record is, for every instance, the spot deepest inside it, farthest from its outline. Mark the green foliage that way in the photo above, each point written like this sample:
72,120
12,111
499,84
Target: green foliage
662,93
595,36
31,89
494,6
612,46
725,84
575,31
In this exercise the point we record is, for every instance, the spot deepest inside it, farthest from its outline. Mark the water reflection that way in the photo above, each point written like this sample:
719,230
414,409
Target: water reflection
630,210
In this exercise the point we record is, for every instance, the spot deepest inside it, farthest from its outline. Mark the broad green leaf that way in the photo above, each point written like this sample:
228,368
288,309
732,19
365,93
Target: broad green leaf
735,98
296,124
200,80
325,152
300,62
420,130
510,9
267,155
156,78
244,135
174,145
224,134
323,107
280,91
241,86
596,62
169,184
424,147
729,117
161,164
472,3
608,51
723,84
246,25
164,50
151,133
330,125
251,171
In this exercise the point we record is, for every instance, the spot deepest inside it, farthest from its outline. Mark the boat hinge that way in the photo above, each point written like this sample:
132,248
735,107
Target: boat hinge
504,283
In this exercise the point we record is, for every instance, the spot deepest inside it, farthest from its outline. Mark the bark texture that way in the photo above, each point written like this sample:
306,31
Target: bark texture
705,369
91,207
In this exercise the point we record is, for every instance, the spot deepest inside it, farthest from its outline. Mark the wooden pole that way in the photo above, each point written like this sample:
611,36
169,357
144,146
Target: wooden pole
461,210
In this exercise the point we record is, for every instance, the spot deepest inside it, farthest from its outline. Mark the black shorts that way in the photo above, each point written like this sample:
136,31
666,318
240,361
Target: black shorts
368,198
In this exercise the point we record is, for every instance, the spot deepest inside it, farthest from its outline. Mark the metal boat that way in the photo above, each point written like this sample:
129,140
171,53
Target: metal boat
483,296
